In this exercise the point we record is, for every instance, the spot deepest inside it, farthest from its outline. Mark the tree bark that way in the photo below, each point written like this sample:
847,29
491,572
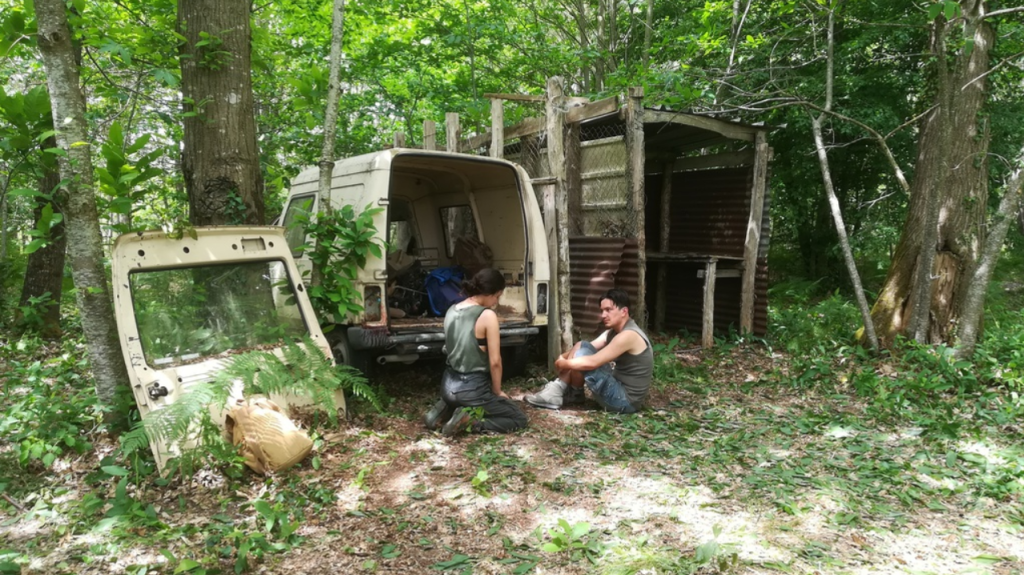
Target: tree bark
45,271
220,160
950,188
85,248
974,300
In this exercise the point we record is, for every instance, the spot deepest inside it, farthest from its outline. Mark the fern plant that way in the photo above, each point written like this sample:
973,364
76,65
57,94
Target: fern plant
303,369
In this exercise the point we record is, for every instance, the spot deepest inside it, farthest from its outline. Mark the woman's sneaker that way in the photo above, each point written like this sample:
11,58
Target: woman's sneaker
550,397
437,414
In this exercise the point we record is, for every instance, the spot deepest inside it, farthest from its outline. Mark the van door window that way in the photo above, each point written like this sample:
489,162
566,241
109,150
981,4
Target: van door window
457,222
295,232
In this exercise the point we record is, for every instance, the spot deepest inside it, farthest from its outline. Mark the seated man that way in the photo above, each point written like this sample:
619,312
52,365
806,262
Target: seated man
617,366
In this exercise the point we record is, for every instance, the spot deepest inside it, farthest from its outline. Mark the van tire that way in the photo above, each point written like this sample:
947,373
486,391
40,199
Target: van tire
343,353
514,360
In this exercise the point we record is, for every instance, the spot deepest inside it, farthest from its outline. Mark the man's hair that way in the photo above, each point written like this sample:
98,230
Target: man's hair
619,297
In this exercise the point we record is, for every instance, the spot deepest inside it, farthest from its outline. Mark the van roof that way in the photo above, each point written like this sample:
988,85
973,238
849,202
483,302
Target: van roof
381,160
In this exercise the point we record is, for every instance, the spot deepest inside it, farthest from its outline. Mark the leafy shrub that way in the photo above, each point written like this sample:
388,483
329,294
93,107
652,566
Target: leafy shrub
47,410
803,326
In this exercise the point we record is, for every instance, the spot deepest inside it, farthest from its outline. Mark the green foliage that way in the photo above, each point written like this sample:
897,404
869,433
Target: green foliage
577,540
303,370
121,177
341,242
47,413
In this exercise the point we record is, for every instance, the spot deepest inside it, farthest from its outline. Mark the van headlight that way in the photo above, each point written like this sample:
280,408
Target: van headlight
542,298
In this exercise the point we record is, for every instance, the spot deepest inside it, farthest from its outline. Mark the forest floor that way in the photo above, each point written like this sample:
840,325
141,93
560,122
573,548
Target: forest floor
728,470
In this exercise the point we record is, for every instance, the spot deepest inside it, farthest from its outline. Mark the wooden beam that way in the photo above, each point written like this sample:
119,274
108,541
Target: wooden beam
429,135
516,97
399,139
661,297
547,191
753,241
728,129
726,273
635,189
555,111
707,332
527,127
497,128
724,160
592,110
452,132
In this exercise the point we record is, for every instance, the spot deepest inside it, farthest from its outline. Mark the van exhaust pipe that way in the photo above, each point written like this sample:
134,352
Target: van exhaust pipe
397,358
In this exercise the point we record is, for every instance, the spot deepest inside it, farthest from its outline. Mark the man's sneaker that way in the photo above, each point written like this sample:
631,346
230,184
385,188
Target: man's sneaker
459,422
437,414
573,396
550,397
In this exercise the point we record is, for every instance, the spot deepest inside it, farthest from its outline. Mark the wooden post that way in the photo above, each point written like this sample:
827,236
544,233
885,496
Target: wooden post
707,334
635,188
753,242
554,305
555,109
661,302
497,128
452,132
429,135
399,140
574,178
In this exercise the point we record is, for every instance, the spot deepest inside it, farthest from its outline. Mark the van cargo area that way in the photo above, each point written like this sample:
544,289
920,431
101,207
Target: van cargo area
445,217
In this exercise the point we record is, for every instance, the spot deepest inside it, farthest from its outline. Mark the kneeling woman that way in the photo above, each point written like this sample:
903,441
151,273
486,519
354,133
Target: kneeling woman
472,380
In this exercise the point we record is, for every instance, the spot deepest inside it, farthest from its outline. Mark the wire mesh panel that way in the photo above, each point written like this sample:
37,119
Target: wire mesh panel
600,203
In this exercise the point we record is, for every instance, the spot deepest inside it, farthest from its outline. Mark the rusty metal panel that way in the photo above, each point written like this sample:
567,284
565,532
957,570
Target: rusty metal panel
709,211
597,265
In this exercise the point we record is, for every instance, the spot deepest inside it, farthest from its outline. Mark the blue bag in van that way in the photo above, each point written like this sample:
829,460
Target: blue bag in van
444,289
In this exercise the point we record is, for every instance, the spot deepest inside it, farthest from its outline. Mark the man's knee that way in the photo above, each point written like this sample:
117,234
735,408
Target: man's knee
583,349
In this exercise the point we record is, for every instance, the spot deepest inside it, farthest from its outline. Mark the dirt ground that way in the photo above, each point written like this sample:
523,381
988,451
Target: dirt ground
406,500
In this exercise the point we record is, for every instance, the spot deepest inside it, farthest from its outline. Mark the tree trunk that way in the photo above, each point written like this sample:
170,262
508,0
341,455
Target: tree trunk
220,158
960,194
85,249
45,271
974,300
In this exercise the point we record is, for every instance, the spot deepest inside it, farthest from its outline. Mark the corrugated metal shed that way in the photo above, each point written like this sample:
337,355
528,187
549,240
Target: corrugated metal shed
597,265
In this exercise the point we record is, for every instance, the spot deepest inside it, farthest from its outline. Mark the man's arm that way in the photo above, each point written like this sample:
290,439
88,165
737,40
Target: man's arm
618,346
602,340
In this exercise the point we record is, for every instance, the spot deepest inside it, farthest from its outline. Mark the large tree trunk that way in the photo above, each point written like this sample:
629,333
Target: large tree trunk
45,271
220,157
950,170
85,248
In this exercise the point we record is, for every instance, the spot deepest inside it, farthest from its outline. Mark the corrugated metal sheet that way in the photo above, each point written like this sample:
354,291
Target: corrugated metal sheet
709,211
597,265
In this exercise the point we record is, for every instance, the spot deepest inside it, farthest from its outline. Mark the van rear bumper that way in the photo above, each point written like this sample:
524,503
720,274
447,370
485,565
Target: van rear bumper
360,338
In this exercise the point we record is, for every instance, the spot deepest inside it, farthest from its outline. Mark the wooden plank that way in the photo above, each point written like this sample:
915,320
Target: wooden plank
592,110
753,240
527,127
725,273
497,128
452,132
728,129
689,257
635,189
707,333
429,135
661,297
724,160
399,139
516,97
555,111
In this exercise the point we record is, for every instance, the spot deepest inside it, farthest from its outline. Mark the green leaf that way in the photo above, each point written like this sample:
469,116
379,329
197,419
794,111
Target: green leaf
186,565
934,10
115,470
551,548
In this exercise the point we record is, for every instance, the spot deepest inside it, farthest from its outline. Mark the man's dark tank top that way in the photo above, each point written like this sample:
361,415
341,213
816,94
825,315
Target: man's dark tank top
635,371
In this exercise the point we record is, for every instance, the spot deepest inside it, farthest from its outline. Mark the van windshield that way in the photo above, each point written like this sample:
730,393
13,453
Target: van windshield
187,314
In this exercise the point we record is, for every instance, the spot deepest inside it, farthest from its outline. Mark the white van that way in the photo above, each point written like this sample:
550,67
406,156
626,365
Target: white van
438,207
